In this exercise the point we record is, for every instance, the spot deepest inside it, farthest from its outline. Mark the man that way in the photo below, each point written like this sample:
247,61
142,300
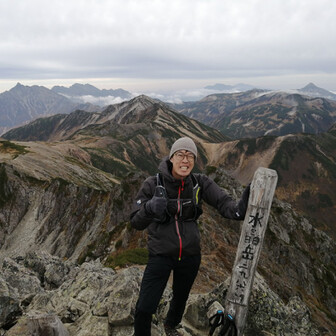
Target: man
168,206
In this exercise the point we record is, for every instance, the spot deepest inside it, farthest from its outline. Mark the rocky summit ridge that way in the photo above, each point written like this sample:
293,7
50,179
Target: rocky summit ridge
90,299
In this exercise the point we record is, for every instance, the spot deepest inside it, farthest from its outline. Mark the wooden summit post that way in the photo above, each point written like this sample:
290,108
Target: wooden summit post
251,239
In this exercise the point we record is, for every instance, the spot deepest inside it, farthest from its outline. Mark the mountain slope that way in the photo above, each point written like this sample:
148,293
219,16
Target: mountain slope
257,113
54,128
306,165
117,138
49,195
212,106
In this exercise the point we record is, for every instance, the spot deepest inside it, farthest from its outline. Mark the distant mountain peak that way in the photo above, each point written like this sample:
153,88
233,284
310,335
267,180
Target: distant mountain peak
312,90
224,87
84,93
139,109
144,98
18,86
310,86
82,85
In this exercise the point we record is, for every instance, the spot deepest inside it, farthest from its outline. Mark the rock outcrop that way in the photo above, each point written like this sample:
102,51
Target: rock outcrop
62,216
42,292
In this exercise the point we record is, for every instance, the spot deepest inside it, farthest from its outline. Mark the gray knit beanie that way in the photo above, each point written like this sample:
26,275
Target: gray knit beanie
184,143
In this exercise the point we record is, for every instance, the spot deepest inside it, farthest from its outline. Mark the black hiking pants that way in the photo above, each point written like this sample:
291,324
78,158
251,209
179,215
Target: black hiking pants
153,284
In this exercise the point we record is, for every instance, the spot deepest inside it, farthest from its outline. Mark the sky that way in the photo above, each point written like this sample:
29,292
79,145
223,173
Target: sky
164,46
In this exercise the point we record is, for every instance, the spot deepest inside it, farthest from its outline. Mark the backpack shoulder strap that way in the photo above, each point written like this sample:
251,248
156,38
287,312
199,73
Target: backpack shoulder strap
160,189
196,189
159,179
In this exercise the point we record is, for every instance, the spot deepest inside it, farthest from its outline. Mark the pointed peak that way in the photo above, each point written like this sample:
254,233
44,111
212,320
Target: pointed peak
79,85
315,91
145,98
145,101
310,86
18,87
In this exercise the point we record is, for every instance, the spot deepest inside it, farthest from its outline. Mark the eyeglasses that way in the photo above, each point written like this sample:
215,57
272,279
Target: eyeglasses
180,156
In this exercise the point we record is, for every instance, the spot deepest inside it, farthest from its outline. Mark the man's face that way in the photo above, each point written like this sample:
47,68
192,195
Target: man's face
183,162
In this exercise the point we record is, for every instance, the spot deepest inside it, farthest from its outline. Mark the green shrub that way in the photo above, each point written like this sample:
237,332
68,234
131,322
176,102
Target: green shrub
3,190
306,195
137,256
325,201
210,170
118,244
7,147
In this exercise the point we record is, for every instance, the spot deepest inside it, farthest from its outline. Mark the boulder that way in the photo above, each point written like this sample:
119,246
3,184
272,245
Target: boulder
39,325
10,310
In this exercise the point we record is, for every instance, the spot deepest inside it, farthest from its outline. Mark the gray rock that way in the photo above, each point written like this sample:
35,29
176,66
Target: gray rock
22,282
37,324
88,325
10,310
51,270
95,300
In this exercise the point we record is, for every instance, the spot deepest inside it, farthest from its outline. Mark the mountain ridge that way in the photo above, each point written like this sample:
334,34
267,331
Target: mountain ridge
17,109
88,89
22,104
231,88
117,136
259,112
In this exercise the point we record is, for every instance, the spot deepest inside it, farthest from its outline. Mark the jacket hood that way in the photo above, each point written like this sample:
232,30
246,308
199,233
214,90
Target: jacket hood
165,167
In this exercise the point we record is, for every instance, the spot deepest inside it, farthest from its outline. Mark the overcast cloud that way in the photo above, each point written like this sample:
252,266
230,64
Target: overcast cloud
160,44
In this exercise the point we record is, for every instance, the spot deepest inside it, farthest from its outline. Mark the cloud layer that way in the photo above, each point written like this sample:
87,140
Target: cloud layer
157,39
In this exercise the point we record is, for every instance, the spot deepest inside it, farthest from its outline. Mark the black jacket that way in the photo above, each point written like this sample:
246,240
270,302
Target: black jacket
178,234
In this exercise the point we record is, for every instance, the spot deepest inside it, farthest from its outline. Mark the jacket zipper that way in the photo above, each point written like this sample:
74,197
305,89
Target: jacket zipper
176,218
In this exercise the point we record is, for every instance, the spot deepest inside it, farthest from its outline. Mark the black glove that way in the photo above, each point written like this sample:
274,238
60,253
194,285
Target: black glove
243,203
246,194
156,207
